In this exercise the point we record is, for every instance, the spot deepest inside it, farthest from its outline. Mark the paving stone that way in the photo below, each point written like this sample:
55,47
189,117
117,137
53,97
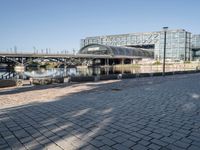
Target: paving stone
196,143
181,144
143,116
156,135
97,143
110,135
145,132
119,139
129,143
137,134
139,147
120,147
144,142
186,140
168,140
159,142
135,139
108,142
192,147
4,146
154,146
147,138
173,147
105,147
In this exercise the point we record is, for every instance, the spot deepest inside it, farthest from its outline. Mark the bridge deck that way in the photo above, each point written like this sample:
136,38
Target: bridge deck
31,55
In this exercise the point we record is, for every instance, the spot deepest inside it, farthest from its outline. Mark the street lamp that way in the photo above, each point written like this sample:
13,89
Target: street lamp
164,54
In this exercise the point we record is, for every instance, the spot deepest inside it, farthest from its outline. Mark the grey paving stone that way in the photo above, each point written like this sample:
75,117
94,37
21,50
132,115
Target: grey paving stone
173,147
192,147
119,139
196,143
143,116
135,139
168,139
129,143
159,142
120,147
4,146
108,141
97,143
144,142
145,132
181,144
110,135
147,138
194,138
154,146
186,140
105,147
139,147
155,135
137,134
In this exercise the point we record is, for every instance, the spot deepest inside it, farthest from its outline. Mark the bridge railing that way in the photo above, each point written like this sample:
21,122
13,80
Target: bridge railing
8,75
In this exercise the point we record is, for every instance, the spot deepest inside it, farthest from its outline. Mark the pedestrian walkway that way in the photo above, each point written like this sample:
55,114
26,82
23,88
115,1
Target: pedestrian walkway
146,113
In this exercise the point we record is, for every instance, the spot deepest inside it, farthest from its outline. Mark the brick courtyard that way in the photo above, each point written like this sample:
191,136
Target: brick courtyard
139,114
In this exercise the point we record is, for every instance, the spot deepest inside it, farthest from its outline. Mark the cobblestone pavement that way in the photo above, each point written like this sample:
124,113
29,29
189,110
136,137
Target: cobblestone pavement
139,114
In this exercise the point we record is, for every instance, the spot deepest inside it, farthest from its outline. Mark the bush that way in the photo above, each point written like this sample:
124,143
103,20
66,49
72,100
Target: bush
187,62
157,63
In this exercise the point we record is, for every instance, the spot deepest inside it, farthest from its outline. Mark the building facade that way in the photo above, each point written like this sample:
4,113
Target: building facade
178,42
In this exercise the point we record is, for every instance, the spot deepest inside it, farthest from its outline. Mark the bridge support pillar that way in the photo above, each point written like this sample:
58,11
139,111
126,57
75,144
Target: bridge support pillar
93,62
132,61
122,61
106,62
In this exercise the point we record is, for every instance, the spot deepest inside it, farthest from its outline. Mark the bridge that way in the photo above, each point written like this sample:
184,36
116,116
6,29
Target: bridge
74,59
60,56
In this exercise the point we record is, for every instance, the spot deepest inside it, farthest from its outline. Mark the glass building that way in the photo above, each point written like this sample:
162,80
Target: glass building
178,42
196,46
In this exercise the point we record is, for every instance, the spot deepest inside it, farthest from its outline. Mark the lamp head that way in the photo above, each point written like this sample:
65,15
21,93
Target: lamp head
165,28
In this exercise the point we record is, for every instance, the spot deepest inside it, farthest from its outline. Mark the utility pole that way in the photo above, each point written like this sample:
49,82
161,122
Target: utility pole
164,54
15,49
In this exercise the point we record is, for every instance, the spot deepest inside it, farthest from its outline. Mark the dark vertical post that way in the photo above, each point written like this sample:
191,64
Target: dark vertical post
189,46
185,59
164,54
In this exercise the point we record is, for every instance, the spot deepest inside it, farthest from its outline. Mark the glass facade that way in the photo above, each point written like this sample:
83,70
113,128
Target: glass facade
196,41
196,45
178,42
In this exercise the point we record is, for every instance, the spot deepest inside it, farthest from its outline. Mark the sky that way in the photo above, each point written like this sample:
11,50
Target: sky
61,24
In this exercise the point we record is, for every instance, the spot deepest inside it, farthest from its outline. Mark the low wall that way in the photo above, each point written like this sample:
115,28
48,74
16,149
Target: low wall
44,81
7,83
109,77
82,79
127,76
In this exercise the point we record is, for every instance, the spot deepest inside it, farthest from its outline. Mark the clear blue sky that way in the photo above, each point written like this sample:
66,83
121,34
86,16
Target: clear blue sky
60,24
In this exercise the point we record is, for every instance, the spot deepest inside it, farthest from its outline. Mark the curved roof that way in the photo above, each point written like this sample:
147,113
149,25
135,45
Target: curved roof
115,51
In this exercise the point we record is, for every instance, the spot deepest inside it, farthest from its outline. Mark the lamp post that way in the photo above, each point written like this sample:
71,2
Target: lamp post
164,54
